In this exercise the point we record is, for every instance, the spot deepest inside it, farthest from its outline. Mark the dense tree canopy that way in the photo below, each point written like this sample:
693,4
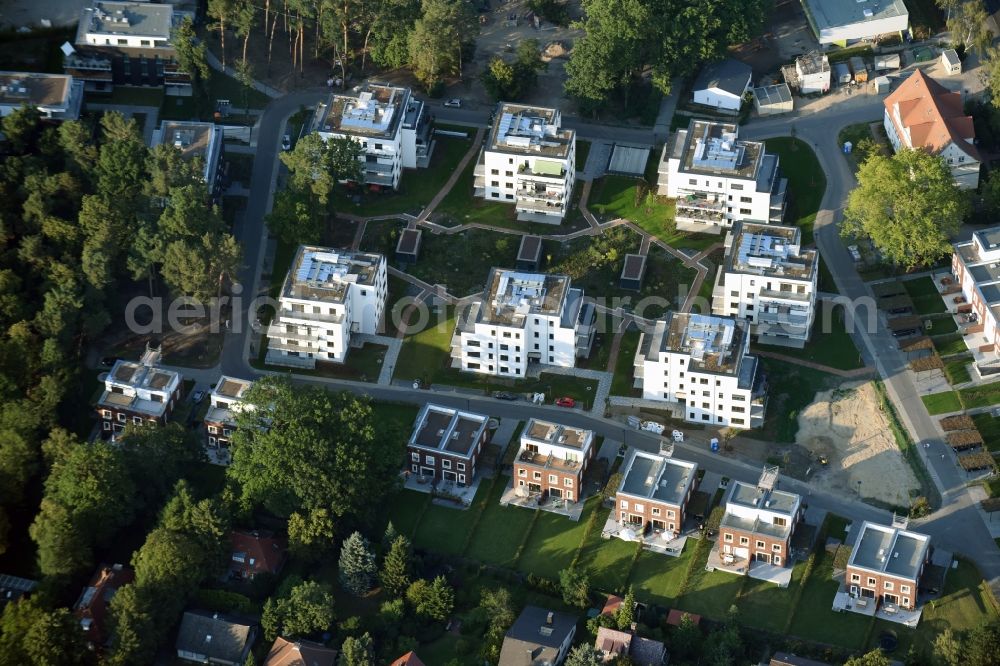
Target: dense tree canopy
908,204
307,609
317,450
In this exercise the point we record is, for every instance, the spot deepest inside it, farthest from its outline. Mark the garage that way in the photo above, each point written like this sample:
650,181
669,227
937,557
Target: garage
742,552
449,476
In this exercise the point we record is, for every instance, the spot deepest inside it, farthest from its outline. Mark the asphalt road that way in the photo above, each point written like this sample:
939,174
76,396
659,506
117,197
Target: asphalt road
957,526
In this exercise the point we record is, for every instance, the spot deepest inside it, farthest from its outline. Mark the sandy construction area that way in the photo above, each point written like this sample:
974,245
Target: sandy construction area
847,426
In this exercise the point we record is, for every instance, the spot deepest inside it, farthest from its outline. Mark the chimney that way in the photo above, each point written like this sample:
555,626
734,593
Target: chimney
549,617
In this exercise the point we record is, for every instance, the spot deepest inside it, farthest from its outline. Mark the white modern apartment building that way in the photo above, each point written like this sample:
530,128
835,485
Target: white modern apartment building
392,126
701,364
976,267
769,280
138,393
127,43
718,178
530,161
523,319
328,296
56,96
226,400
845,22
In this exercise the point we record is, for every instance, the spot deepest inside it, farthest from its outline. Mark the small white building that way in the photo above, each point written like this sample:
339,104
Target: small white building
523,319
56,96
701,364
844,22
812,73
718,178
769,280
951,62
721,85
392,126
529,160
328,296
196,140
924,115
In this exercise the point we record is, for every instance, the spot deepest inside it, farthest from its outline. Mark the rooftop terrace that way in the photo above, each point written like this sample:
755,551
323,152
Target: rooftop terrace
771,250
890,550
44,90
530,130
715,344
511,296
135,19
325,274
559,435
448,430
376,111
658,478
716,149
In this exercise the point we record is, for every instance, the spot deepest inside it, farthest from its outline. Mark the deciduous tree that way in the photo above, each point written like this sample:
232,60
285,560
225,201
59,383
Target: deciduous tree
575,585
307,609
357,651
909,206
584,655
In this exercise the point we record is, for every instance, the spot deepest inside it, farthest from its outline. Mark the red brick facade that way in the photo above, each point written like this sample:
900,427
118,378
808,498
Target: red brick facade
551,481
645,513
114,419
886,588
759,547
444,466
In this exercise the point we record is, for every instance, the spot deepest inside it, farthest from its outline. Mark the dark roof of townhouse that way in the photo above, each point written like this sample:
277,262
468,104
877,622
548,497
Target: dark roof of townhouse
646,651
287,652
535,637
213,635
729,75
266,551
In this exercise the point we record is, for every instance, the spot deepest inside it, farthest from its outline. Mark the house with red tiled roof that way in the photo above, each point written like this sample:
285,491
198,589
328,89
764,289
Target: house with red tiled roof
287,652
924,115
408,659
91,608
255,552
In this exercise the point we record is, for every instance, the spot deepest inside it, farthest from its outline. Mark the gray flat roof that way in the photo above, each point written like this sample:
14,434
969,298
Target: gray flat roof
835,13
890,550
777,501
530,249
628,159
635,266
127,18
658,477
448,430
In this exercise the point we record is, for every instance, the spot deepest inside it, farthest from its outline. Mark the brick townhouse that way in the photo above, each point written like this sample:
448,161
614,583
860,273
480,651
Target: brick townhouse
91,608
446,443
138,393
654,491
552,459
759,521
886,565
225,402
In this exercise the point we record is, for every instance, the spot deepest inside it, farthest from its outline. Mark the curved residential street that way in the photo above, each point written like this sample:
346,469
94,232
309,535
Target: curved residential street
957,526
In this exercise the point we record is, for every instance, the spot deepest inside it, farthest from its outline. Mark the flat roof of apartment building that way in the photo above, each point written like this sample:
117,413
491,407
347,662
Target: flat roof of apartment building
325,274
712,148
836,13
232,387
658,478
448,430
511,296
133,19
890,550
193,139
530,130
42,90
561,435
376,111
714,344
137,375
770,250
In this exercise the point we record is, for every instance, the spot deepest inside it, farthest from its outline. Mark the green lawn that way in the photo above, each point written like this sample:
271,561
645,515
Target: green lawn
956,369
855,134
382,235
462,261
830,343
600,353
946,345
658,578
582,151
608,561
443,529
362,364
942,403
825,280
405,508
710,593
426,352
989,427
767,606
980,396
926,299
942,325
621,384
962,607
221,86
633,199
554,541
417,186
500,530
806,182
791,388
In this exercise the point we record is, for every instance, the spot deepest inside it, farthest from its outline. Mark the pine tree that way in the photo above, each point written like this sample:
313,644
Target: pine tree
395,576
357,651
391,534
625,615
357,565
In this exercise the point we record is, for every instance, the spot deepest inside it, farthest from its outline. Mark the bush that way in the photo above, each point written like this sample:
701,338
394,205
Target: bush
544,585
224,601
920,507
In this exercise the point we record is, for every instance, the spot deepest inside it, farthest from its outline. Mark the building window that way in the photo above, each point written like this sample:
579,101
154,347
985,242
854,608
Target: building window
670,513
509,196
904,589
640,508
760,544
494,172
727,537
746,200
624,504
736,186
445,463
460,467
537,476
495,183
855,578
777,559
745,211
121,417
656,510
415,457
461,478
744,541
106,413
429,460
569,494
568,482
888,585
871,581
776,547
906,602
553,478
107,426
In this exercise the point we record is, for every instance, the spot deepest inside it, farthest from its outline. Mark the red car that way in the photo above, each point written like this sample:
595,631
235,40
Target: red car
566,402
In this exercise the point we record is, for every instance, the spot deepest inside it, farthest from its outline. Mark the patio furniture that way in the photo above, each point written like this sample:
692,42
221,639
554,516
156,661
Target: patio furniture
727,559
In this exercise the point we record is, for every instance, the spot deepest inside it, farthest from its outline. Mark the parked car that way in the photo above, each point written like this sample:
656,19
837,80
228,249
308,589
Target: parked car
565,402
454,103
855,253
504,395
197,397
286,142
904,332
109,361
